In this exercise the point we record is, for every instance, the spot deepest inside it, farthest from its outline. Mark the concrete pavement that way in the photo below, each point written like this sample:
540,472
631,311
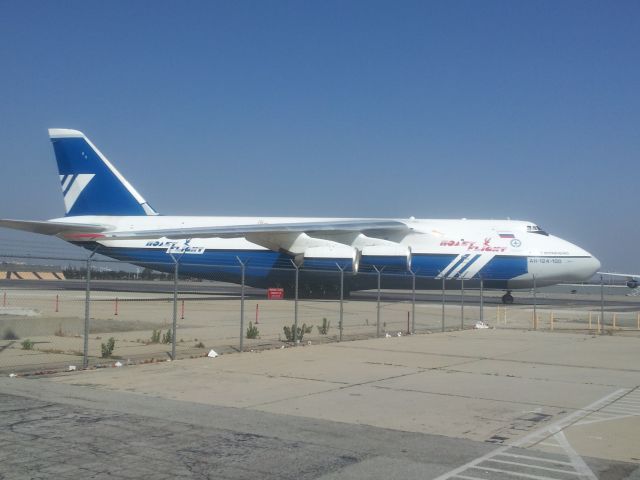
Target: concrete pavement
479,404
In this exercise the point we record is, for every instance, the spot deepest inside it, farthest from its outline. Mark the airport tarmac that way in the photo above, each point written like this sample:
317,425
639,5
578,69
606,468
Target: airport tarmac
475,404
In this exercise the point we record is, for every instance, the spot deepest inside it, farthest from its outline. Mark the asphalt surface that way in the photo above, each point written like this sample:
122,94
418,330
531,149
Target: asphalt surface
566,295
485,404
69,432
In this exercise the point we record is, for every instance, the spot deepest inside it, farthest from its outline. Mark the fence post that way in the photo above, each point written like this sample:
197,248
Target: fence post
535,304
378,306
601,323
462,304
295,304
481,300
443,301
413,301
341,301
175,308
242,273
87,303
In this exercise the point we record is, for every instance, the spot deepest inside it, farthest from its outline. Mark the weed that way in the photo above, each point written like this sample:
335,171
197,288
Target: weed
288,332
155,336
9,334
59,332
27,344
167,337
107,349
324,328
200,345
252,331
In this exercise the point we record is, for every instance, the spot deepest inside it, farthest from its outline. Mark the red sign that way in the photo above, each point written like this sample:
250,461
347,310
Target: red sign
275,293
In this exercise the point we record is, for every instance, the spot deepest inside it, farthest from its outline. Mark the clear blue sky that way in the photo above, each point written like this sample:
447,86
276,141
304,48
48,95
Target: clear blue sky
492,109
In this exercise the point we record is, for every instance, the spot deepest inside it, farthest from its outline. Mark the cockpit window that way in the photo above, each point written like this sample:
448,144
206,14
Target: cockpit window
536,229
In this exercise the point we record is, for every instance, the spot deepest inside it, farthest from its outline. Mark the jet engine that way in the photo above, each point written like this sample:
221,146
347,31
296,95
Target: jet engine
633,283
391,257
330,256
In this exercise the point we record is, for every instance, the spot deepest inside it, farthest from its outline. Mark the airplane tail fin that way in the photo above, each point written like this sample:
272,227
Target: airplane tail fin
90,184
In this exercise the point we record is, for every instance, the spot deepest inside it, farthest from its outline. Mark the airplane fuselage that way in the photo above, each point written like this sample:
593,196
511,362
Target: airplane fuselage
503,253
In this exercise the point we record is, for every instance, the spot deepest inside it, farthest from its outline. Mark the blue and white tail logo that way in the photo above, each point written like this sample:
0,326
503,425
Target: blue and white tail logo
72,187
90,184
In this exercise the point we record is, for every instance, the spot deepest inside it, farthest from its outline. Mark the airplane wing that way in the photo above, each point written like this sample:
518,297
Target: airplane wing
625,275
51,228
234,231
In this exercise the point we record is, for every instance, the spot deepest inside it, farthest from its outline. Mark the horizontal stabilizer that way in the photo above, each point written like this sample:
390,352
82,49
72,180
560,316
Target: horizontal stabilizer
51,228
625,275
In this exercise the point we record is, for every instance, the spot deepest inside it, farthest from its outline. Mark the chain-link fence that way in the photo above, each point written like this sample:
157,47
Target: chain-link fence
59,313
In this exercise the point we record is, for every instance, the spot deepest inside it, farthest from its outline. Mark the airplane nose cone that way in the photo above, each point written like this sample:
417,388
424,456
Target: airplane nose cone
578,265
579,269
584,268
592,265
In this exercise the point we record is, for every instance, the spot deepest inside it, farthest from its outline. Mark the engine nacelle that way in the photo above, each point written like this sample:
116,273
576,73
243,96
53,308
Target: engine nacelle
330,257
389,257
633,283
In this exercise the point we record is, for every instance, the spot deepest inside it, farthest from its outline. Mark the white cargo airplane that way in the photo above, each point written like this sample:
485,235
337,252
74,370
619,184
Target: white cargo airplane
104,213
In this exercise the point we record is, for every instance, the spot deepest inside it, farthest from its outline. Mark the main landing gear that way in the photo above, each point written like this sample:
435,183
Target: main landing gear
507,298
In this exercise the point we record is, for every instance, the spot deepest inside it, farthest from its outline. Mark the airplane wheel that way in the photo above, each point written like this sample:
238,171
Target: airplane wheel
507,298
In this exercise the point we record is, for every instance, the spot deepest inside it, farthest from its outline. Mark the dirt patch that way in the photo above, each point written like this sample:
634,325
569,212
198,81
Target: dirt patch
67,326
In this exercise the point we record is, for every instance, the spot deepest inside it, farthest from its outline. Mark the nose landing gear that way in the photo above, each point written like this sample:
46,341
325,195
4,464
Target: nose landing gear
507,298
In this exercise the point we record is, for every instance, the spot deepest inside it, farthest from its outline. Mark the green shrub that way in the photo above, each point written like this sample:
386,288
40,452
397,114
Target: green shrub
252,331
324,328
107,348
27,344
167,337
155,336
288,332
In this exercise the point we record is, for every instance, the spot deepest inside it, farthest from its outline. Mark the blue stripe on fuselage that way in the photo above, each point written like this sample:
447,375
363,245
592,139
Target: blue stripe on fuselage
428,265
462,259
466,267
259,262
504,268
264,263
